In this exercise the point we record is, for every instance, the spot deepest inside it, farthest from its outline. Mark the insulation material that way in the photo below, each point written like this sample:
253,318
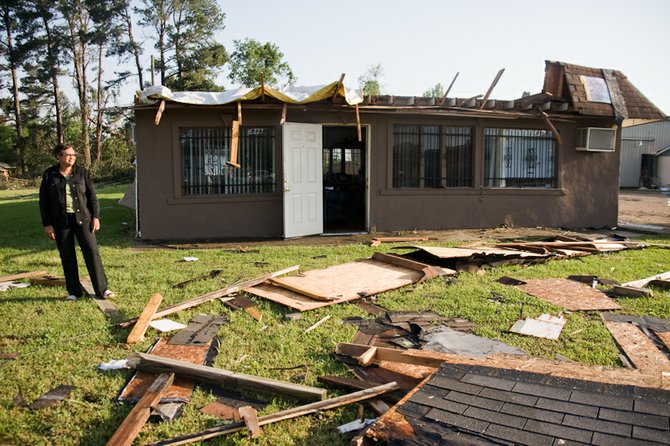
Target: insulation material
638,347
339,283
571,295
291,95
545,326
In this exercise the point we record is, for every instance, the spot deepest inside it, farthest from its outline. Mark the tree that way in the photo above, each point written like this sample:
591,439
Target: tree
188,55
127,46
252,61
369,81
434,92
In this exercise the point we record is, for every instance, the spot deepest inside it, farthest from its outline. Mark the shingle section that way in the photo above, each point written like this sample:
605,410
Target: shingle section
518,398
562,406
531,412
425,399
458,421
600,439
454,371
597,425
644,433
540,390
495,417
594,399
473,400
560,432
638,419
517,436
564,442
645,406
410,409
488,381
453,384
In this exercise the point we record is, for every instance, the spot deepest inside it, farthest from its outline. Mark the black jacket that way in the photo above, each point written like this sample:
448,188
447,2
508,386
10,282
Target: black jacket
52,197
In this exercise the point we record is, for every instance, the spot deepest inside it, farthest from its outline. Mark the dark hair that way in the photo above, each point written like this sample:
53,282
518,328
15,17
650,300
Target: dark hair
62,147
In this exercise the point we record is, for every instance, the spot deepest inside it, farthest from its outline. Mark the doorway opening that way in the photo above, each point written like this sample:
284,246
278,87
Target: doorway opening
343,179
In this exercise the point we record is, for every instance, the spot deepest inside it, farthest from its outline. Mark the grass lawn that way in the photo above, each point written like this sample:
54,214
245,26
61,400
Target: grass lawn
62,342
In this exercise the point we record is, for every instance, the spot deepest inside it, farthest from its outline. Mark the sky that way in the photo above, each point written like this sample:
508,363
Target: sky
423,42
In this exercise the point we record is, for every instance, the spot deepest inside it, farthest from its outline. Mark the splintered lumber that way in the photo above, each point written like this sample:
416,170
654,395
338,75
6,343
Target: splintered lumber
250,419
225,378
142,324
22,276
550,124
324,319
131,426
282,415
490,90
159,112
639,283
446,93
213,295
610,375
638,347
235,139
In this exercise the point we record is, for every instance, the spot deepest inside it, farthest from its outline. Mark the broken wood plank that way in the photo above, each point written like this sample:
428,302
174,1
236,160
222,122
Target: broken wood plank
105,305
282,415
50,398
611,375
367,357
210,275
629,291
300,290
547,121
638,347
444,97
490,90
337,87
159,112
643,282
234,141
142,324
429,272
250,419
225,378
133,423
47,280
22,276
324,319
213,295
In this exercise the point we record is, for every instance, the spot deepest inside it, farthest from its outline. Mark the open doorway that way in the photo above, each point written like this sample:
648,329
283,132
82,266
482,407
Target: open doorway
343,179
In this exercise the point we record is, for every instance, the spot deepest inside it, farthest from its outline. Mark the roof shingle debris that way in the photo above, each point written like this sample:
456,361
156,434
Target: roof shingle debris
486,405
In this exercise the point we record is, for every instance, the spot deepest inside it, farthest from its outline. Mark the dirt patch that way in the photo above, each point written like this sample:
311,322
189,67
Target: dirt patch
644,208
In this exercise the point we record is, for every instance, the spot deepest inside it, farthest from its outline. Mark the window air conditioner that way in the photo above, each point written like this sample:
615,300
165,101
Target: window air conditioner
595,139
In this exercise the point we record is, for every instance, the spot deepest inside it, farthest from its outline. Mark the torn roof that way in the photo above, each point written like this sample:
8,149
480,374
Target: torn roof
598,92
569,90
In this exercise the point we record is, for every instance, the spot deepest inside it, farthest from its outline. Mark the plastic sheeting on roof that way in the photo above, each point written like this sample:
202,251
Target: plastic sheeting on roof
291,95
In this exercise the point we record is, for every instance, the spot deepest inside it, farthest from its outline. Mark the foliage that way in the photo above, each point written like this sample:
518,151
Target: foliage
252,61
436,91
369,81
62,342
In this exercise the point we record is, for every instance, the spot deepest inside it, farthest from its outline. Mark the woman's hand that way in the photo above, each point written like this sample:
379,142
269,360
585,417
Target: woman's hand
95,225
49,232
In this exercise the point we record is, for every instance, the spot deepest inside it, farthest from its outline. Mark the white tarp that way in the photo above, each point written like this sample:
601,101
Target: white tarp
290,95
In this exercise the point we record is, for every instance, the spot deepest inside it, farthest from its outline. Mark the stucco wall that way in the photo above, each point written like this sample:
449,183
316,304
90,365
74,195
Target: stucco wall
586,195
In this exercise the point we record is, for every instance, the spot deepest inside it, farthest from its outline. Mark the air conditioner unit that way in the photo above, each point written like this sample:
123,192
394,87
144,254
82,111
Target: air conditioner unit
596,139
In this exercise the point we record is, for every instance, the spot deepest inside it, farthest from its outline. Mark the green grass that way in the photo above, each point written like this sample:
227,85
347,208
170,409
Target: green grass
62,342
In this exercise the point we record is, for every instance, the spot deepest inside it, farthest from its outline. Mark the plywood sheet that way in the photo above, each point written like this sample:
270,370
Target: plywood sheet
339,283
638,347
180,390
571,295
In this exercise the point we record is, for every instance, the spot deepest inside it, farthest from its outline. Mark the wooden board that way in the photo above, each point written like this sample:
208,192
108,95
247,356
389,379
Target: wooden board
105,305
366,277
181,388
142,324
571,295
595,373
457,253
22,276
638,347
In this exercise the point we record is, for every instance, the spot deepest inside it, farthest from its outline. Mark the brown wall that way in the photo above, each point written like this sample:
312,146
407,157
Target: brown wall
586,195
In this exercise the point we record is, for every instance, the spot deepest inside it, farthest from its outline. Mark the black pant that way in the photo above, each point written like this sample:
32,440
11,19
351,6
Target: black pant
68,256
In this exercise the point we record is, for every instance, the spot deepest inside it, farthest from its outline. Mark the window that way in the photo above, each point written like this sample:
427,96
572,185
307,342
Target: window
519,158
432,156
206,150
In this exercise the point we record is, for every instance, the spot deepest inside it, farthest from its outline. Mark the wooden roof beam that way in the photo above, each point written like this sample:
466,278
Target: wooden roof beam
444,96
490,90
547,121
337,87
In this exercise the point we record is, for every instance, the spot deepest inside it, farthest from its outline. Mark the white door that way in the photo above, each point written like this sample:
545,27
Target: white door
303,179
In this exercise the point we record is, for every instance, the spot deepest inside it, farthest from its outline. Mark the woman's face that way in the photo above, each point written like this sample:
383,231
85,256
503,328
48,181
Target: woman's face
67,157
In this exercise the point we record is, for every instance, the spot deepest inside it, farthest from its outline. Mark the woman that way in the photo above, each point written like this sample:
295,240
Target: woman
69,209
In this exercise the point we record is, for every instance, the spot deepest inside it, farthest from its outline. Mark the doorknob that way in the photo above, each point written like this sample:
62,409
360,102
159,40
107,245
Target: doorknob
286,187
